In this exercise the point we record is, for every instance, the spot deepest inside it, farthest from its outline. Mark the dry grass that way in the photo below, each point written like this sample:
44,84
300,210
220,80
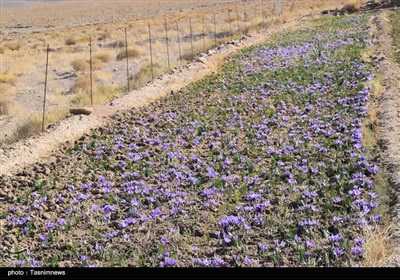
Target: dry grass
82,83
70,41
118,44
103,56
382,189
144,74
97,64
101,95
395,22
21,67
4,107
197,49
378,246
16,46
83,65
33,124
83,40
104,76
351,7
366,55
132,53
7,91
104,35
2,50
10,107
80,64
8,78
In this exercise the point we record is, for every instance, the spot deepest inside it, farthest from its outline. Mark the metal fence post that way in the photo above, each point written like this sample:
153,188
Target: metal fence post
91,69
204,37
191,36
237,18
45,86
166,40
151,56
264,15
179,40
245,18
255,14
127,63
292,5
230,25
215,31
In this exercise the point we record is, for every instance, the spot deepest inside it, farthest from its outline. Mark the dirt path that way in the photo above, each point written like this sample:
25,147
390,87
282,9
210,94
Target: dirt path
389,122
14,158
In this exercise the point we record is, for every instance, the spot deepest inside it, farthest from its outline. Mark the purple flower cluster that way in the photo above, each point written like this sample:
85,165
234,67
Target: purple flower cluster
268,156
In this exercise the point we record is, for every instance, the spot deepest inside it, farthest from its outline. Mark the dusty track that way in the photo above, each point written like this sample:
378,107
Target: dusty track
14,158
389,123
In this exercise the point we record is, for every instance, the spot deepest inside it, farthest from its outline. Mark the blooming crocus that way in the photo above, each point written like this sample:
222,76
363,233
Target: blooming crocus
164,240
19,263
50,225
247,261
168,262
262,246
338,252
218,262
227,237
108,208
356,251
206,262
359,241
336,219
43,237
335,238
310,244
195,249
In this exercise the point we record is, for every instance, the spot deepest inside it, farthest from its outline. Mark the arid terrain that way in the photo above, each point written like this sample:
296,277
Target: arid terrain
273,141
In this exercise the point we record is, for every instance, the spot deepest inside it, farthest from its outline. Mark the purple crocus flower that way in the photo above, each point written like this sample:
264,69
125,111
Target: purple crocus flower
49,225
108,208
227,237
164,240
247,261
335,238
218,262
262,246
338,252
359,241
356,251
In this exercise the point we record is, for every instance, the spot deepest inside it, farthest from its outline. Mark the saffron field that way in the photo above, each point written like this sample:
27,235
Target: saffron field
260,164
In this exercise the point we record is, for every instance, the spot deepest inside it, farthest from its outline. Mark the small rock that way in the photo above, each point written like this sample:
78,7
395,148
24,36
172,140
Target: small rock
201,60
46,216
12,239
95,191
46,170
81,111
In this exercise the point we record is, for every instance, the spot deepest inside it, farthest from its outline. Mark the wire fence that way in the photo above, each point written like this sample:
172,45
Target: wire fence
97,77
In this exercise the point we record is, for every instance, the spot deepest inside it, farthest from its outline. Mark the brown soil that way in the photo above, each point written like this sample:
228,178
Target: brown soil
389,121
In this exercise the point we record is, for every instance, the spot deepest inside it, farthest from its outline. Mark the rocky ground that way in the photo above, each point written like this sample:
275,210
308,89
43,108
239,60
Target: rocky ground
389,119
